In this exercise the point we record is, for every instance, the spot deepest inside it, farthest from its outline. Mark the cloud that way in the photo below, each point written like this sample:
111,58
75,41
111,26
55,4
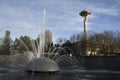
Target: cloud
61,15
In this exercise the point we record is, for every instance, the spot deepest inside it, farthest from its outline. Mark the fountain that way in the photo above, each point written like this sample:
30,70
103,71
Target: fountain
37,61
55,59
41,63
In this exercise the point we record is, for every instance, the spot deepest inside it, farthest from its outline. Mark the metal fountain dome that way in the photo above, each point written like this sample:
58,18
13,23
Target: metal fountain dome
42,65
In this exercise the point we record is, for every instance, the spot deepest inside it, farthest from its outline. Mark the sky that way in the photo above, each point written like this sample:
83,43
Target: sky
30,17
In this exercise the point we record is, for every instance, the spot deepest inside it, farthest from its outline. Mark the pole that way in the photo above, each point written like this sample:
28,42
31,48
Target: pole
84,14
85,35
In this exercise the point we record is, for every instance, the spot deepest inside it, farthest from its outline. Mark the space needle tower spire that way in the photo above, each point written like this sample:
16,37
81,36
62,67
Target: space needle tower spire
84,14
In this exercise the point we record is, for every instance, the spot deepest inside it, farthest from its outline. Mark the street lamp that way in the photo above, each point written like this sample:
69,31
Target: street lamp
84,14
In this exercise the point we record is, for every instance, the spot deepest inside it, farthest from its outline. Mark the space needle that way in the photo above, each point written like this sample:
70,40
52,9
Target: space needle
84,14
